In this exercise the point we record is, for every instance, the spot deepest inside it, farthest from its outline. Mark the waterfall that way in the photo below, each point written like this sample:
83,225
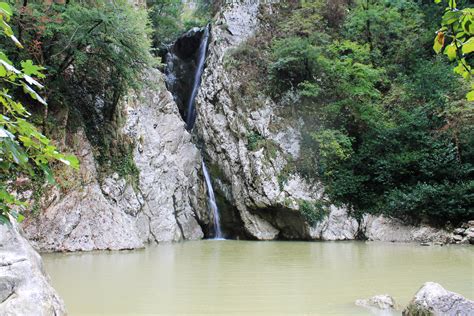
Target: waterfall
190,116
212,203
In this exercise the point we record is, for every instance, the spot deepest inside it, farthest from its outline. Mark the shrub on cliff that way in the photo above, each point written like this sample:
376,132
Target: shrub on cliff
95,52
387,127
101,44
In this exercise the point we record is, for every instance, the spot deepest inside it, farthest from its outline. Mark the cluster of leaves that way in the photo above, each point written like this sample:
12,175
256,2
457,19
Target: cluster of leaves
23,149
386,126
313,212
254,141
171,18
95,52
103,41
165,16
457,28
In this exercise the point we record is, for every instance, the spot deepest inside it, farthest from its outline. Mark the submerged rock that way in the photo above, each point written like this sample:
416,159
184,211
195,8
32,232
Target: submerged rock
433,299
24,285
379,302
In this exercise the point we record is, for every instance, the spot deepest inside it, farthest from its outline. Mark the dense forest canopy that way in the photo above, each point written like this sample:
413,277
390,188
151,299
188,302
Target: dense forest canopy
387,126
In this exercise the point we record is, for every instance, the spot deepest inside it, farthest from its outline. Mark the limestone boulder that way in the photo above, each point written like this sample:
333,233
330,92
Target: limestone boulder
433,299
24,285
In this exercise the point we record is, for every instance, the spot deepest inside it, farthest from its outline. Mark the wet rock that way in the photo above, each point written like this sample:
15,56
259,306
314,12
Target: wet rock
459,231
181,63
24,285
433,299
379,302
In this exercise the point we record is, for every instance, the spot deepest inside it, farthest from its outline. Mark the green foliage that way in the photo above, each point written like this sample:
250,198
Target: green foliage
333,147
103,45
443,201
165,16
171,18
305,20
255,141
386,127
390,28
95,53
313,212
294,62
457,27
23,149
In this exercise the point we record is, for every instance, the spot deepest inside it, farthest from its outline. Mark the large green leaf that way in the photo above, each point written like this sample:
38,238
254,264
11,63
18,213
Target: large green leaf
468,47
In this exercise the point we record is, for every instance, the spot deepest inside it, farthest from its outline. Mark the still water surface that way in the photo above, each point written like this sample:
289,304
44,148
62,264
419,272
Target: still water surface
254,278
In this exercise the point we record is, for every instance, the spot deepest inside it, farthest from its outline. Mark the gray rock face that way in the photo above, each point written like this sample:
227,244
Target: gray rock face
171,181
433,299
111,214
337,226
262,198
382,228
250,179
24,286
378,302
82,219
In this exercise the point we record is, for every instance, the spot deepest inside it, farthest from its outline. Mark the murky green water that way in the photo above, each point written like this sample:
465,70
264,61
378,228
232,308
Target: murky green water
254,278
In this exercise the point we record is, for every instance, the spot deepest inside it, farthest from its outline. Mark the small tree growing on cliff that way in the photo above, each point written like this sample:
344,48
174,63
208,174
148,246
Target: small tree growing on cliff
23,149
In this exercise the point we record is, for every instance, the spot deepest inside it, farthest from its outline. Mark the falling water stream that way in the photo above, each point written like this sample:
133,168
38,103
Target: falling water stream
190,118
212,203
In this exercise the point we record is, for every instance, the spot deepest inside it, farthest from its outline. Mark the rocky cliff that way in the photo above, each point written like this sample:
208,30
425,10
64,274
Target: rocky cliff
247,142
109,212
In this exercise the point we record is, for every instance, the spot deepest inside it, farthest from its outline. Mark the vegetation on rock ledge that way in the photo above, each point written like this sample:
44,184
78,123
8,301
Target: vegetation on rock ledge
387,125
